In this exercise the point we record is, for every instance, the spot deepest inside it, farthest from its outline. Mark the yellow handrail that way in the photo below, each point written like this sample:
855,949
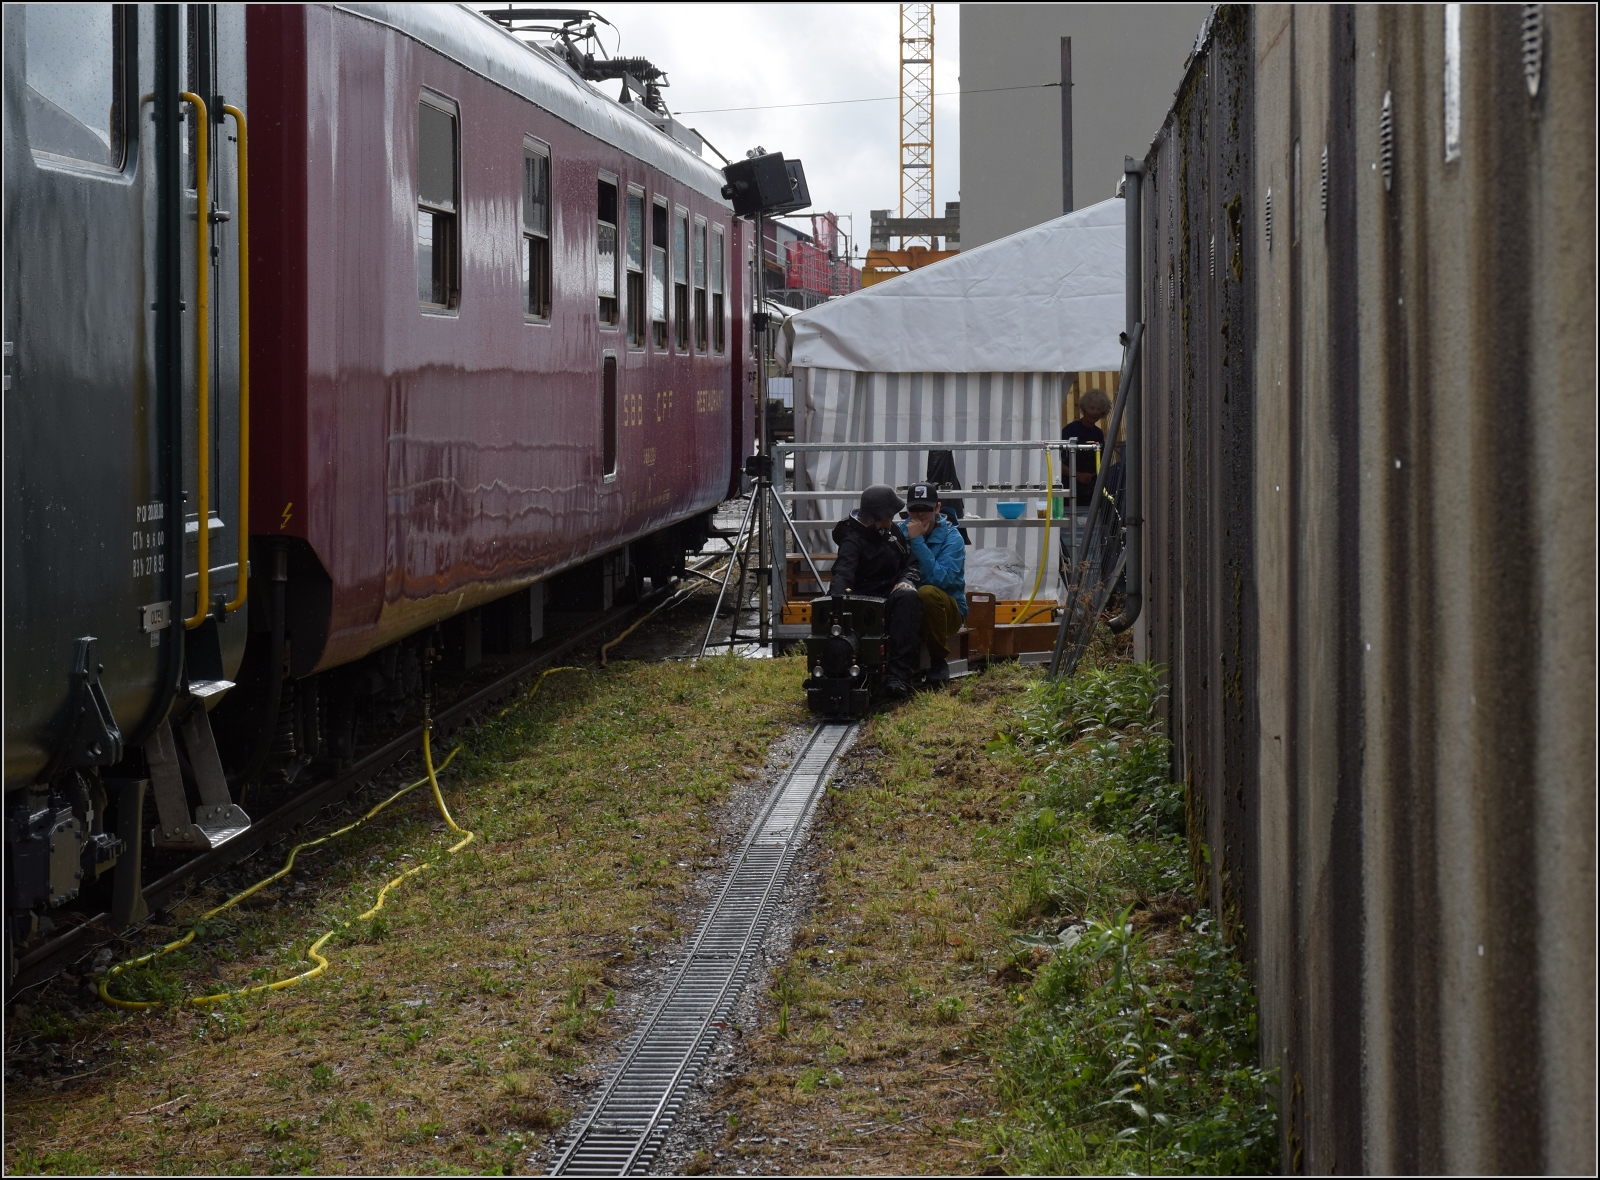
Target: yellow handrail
244,362
203,363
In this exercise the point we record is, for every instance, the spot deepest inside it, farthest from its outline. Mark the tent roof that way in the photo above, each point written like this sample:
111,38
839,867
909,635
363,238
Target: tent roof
1046,300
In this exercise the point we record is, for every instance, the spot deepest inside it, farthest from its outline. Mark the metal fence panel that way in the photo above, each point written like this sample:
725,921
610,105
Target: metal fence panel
1371,542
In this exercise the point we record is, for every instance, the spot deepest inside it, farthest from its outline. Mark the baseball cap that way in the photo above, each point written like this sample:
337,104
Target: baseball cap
922,495
879,502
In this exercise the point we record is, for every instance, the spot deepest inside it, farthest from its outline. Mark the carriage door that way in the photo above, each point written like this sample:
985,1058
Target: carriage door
102,268
85,543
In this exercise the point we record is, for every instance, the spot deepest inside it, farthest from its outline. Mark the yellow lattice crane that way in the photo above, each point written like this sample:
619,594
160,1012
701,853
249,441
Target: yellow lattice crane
916,114
916,227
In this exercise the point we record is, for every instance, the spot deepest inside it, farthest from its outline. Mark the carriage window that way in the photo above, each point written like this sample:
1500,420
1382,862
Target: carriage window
437,232
700,326
606,257
608,411
719,338
658,273
535,230
635,264
73,99
680,279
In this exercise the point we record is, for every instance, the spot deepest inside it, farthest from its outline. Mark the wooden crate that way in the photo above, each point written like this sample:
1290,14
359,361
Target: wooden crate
1007,610
797,573
1012,639
1004,611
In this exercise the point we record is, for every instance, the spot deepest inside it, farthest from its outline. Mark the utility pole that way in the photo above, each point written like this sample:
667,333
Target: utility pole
1066,124
764,441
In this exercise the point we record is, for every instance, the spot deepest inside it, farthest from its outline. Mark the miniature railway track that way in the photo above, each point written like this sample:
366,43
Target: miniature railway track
628,1120
53,956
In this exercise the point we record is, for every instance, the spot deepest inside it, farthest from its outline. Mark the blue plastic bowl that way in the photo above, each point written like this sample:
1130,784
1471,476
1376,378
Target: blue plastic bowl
1011,509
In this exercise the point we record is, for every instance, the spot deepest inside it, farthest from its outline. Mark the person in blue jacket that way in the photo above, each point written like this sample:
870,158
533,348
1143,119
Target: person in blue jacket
941,557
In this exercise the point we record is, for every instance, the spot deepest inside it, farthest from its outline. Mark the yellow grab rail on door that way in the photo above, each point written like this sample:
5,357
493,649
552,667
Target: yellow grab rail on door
244,361
203,361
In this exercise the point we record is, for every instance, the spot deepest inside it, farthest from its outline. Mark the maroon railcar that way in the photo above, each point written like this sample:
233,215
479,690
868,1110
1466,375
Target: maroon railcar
447,405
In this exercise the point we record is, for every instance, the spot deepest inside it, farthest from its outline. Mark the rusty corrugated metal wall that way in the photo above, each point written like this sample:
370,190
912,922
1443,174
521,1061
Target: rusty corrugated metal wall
1370,429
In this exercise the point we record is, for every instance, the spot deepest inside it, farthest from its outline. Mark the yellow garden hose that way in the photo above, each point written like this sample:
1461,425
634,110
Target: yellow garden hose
316,947
537,684
1044,547
438,799
314,953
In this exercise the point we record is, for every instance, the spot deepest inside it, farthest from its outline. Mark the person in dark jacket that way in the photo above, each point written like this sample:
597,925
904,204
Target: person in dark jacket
1092,410
875,559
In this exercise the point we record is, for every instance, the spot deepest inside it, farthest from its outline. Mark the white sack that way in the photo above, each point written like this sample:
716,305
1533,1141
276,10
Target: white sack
999,572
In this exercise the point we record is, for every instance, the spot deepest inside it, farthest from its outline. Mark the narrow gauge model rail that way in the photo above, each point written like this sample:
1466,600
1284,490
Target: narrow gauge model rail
628,1120
57,954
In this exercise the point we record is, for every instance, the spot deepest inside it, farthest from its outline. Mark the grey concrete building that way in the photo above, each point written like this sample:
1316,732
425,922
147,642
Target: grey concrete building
1126,62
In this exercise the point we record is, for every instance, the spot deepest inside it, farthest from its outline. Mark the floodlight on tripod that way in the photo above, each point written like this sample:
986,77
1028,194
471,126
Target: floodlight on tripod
761,184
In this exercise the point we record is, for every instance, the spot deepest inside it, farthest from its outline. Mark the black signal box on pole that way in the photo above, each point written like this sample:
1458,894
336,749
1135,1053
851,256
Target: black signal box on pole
766,184
800,195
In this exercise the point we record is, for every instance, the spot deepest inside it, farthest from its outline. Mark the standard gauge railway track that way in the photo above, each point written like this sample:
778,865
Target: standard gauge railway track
626,1123
46,960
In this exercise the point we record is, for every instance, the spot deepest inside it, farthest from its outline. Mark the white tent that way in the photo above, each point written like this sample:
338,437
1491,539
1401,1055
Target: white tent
1045,300
973,348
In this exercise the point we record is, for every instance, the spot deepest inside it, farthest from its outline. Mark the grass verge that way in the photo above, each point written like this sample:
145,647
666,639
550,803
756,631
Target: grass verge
1005,969
1135,1045
446,1034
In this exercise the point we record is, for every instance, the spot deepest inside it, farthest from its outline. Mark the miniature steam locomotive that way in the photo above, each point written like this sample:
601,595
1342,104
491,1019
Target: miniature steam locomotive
846,652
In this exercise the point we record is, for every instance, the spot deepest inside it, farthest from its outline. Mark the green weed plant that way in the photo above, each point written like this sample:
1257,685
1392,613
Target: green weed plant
1135,1049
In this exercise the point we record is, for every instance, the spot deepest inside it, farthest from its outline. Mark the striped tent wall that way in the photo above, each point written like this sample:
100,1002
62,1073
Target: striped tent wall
835,405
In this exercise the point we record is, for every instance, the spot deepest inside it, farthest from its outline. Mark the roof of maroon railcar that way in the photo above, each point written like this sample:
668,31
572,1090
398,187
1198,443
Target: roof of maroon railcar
478,44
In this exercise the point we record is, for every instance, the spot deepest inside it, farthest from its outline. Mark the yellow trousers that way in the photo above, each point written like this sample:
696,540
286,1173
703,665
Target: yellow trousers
941,619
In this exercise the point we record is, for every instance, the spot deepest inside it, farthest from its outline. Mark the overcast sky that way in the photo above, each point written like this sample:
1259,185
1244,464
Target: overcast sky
777,56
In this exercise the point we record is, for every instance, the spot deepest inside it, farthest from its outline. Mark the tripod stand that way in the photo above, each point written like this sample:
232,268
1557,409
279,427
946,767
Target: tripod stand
753,534
756,527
